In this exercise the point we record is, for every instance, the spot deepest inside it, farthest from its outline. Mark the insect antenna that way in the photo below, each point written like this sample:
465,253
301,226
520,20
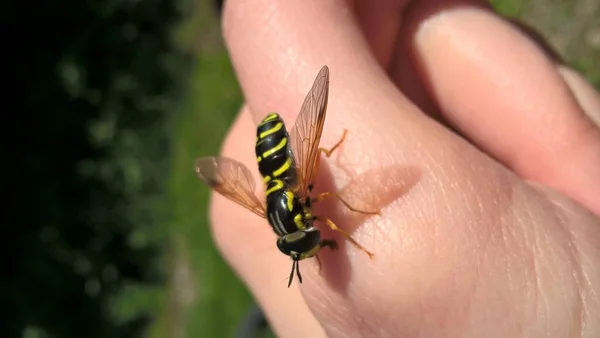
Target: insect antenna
292,274
295,268
298,272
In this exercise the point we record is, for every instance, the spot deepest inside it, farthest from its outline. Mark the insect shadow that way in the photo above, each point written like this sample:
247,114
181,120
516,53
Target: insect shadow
369,191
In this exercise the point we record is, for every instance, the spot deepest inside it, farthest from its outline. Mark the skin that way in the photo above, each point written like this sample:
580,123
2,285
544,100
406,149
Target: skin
479,149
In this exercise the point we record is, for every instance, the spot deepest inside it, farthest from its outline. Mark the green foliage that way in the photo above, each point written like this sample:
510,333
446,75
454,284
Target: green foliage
94,82
200,128
510,8
566,27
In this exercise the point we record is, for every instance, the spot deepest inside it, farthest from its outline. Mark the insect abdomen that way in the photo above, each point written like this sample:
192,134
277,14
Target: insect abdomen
272,150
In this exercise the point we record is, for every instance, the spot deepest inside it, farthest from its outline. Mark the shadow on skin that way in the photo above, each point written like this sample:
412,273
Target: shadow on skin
369,191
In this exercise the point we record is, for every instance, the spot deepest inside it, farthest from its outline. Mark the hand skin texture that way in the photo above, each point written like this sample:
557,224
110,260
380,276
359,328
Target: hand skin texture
479,149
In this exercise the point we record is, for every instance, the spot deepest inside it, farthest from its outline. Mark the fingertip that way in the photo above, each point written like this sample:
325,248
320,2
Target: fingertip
500,90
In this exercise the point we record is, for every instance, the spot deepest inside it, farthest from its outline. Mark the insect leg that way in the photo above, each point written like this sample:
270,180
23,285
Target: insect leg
318,263
327,153
329,243
326,195
295,268
348,237
326,243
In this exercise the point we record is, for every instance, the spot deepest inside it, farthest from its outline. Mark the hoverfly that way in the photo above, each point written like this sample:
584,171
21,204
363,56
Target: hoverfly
288,164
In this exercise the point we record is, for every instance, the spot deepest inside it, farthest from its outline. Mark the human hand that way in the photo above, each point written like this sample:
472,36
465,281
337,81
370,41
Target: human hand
465,244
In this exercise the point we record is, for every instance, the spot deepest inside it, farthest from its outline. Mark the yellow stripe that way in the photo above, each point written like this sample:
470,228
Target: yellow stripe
284,167
294,236
275,148
278,186
298,221
269,117
271,131
290,200
311,252
258,159
266,179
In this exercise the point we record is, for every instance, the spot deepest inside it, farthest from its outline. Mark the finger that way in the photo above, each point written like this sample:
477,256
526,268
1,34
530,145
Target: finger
505,95
248,244
402,66
587,96
276,67
380,22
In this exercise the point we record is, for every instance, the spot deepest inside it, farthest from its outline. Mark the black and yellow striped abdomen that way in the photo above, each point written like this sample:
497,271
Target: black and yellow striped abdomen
275,160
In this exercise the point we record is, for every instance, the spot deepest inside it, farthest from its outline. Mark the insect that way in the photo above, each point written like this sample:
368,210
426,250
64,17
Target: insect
288,163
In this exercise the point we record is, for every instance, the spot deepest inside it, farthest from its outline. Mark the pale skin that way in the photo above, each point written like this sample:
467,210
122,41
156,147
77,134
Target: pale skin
498,236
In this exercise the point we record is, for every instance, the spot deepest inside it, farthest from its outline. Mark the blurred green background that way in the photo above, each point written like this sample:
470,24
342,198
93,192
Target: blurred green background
109,234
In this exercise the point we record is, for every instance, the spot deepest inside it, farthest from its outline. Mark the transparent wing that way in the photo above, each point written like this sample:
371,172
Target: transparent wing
231,179
306,133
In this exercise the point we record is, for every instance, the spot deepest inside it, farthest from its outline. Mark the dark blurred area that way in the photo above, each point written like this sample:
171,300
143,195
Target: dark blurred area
90,84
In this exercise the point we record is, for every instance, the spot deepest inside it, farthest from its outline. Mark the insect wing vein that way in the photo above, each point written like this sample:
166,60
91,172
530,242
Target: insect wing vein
231,179
306,133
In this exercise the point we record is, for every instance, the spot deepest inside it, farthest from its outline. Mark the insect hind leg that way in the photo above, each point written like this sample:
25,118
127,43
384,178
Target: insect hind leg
330,151
335,228
329,194
327,153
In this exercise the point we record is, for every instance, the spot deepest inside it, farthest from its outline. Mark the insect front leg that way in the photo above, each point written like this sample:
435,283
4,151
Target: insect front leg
326,243
347,235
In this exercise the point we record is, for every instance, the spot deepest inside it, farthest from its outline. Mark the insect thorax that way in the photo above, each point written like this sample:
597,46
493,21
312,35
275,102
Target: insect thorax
285,211
273,151
292,222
